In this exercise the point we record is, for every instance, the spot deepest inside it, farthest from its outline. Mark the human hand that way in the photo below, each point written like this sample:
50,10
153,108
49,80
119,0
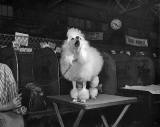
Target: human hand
16,102
22,110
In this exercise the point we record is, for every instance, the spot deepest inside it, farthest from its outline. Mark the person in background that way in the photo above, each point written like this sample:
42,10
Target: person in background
10,100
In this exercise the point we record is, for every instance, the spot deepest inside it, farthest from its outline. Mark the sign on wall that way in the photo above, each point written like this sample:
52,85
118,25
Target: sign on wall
22,38
94,35
136,41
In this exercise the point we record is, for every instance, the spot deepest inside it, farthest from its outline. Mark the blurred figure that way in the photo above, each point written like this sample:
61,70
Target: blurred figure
10,100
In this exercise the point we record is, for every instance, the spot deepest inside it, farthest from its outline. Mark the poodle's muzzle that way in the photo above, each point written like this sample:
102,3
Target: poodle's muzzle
77,42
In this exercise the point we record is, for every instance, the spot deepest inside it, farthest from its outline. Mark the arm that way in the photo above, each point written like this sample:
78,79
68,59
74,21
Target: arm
15,103
5,107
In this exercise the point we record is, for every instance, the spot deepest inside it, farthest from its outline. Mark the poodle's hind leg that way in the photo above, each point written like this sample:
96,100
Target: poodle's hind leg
94,82
84,93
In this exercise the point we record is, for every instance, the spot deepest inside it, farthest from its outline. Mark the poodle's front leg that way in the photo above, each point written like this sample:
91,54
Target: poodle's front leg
84,85
84,93
74,92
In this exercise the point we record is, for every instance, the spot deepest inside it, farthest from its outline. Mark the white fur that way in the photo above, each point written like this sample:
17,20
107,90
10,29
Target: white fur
88,62
93,92
73,32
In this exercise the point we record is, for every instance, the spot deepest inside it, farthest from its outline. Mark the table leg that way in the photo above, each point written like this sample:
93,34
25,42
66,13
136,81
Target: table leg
79,117
104,120
58,114
121,115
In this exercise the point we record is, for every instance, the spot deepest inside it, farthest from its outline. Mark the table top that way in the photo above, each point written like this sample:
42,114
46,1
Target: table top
102,100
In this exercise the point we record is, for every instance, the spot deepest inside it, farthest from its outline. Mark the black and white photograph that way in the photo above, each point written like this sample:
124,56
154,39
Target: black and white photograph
79,63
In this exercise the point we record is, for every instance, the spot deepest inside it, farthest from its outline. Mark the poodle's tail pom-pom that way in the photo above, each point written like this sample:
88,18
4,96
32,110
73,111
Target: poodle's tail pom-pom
73,32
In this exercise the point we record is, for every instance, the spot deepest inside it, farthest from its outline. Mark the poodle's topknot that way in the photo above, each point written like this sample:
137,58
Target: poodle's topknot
73,32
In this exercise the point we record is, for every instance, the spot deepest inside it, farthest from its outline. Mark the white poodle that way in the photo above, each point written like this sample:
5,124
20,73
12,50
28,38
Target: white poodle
80,63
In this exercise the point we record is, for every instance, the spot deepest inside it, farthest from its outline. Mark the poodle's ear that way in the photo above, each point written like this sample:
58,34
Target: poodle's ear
64,43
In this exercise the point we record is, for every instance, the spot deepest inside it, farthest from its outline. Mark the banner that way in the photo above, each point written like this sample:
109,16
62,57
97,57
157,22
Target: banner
94,35
136,41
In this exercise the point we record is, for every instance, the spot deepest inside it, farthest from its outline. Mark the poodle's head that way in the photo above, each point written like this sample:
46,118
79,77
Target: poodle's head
76,38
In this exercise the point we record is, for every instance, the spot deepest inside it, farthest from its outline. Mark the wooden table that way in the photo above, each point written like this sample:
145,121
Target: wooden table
102,101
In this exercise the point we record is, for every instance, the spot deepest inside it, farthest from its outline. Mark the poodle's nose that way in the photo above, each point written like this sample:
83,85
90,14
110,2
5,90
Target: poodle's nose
77,43
77,37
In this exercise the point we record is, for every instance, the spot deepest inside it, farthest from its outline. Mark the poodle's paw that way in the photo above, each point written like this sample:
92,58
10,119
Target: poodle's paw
83,101
93,98
75,100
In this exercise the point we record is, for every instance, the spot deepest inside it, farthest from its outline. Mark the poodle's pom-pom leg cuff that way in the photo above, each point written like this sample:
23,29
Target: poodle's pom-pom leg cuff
83,101
75,100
